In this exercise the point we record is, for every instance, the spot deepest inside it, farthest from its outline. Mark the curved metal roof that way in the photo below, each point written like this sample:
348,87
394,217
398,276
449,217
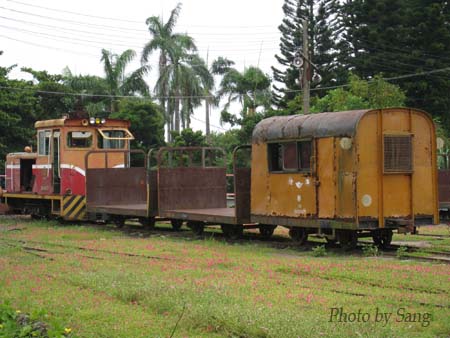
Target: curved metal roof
304,126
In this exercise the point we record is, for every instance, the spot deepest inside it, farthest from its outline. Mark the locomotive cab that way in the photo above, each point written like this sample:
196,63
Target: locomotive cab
52,179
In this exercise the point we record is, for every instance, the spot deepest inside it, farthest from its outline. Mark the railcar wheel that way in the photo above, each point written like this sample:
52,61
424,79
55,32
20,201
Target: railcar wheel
266,230
196,227
331,241
348,239
176,224
298,235
232,231
119,222
383,238
148,222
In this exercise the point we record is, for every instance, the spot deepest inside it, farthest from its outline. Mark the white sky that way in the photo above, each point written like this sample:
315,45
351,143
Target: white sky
50,39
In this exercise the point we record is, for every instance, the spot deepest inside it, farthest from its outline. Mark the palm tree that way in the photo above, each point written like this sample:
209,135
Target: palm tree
250,88
118,82
172,47
220,66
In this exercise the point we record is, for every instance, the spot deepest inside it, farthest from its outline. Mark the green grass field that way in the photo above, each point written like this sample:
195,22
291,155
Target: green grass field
101,282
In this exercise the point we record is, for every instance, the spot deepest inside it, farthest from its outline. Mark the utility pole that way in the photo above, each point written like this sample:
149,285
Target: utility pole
305,75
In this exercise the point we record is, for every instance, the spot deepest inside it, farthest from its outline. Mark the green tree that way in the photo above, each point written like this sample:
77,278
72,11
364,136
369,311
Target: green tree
54,96
147,122
361,94
251,88
118,82
188,138
172,46
19,110
323,32
398,38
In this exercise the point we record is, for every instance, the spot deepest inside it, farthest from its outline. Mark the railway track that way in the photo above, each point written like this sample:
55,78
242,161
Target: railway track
277,242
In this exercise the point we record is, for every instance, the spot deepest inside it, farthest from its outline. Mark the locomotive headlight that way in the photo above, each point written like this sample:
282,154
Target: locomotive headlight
97,120
103,121
92,120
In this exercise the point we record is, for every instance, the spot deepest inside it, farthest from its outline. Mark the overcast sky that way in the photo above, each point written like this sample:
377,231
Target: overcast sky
44,35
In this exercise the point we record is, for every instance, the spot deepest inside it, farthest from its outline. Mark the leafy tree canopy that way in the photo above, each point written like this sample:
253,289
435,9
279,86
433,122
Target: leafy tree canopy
147,122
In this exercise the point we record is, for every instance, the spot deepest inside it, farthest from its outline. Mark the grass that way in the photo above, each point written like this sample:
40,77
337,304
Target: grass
108,283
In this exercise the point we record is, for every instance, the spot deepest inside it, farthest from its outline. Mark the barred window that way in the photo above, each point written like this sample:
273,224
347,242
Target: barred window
398,154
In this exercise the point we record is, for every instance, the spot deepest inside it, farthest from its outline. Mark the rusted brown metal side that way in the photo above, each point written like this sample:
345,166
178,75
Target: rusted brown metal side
152,177
113,186
242,185
121,191
444,188
191,188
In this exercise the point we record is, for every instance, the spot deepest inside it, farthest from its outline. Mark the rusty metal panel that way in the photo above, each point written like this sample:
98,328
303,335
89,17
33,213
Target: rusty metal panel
191,188
116,186
214,215
308,126
152,178
444,186
242,184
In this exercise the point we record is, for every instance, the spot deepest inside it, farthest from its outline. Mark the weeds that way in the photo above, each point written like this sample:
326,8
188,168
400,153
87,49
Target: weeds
402,252
370,250
319,251
18,324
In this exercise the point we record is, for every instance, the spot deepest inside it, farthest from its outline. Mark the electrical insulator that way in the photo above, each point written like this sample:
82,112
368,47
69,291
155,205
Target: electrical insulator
316,78
298,62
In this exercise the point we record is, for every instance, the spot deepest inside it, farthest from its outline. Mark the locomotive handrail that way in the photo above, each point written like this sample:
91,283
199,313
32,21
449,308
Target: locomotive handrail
115,151
189,149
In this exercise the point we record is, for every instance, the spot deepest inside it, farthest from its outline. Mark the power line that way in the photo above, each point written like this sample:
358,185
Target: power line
119,29
49,47
125,20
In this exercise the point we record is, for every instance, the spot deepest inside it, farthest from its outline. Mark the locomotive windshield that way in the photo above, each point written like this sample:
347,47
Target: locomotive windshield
113,138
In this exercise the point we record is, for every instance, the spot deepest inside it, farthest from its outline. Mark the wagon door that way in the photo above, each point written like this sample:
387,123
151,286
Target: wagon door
292,179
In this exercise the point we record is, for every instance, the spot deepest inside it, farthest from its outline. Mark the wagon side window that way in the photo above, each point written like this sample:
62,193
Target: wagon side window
79,139
44,142
275,157
398,154
290,159
304,155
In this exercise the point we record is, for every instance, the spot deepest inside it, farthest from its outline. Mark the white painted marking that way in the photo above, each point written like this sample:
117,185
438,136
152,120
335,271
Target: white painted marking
299,198
72,167
13,166
119,166
307,182
299,211
290,181
346,143
299,184
42,166
366,200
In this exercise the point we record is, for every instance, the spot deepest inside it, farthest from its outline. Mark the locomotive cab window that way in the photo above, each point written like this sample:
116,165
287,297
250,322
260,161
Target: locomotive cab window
79,139
44,142
290,156
398,154
114,138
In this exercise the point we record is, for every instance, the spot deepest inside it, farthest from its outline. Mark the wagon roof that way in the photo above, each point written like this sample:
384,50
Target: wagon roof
342,123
